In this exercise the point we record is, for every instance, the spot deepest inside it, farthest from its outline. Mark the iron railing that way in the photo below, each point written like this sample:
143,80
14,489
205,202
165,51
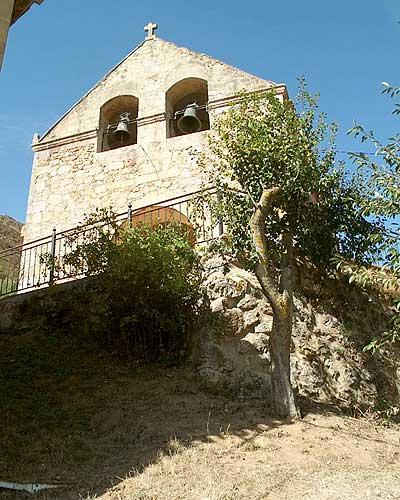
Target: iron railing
39,263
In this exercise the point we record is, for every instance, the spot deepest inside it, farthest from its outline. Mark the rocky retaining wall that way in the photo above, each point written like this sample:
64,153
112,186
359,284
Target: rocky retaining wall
327,360
332,324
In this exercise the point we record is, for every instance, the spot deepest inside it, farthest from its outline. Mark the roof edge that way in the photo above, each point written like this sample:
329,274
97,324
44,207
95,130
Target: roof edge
91,90
19,10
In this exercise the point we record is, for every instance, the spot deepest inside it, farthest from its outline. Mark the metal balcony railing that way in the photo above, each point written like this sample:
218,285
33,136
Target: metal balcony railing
39,263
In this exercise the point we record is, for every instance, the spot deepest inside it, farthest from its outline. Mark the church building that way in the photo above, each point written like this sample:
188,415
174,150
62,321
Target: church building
128,141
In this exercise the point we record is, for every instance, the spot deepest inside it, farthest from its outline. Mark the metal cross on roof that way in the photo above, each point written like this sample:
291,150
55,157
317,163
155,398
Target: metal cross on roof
150,28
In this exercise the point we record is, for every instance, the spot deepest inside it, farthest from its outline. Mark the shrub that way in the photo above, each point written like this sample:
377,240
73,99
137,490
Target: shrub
147,285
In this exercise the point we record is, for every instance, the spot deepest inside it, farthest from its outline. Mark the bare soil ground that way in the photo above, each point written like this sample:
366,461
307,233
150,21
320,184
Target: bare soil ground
74,415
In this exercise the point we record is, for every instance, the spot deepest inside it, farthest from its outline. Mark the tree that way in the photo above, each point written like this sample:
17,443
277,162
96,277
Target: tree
280,193
381,203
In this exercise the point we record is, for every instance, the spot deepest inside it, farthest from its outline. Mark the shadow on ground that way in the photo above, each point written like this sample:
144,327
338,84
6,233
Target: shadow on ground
74,415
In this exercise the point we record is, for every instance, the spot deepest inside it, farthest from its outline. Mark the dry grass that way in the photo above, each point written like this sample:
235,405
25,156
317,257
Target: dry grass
202,472
302,461
113,431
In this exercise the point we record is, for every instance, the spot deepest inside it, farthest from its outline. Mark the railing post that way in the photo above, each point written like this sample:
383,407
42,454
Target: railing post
52,256
220,223
130,216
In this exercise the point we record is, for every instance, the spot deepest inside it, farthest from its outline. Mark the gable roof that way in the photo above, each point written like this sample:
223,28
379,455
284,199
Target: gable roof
128,56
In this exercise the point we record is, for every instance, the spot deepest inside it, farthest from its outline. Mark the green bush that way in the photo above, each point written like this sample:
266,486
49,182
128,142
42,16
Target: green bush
146,282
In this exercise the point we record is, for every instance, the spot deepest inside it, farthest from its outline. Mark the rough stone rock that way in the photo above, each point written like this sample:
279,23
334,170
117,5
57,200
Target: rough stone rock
213,379
303,313
254,342
248,303
220,285
250,319
234,324
326,321
265,326
250,384
306,376
10,232
210,355
327,368
213,367
264,307
218,305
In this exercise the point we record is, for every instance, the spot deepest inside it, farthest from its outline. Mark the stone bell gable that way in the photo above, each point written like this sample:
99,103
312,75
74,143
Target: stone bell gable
80,163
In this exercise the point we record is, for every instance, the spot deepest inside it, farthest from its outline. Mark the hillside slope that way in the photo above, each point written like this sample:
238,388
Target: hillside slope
10,232
73,414
111,427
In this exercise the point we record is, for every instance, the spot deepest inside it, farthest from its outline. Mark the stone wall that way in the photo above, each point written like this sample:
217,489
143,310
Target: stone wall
69,181
70,177
332,323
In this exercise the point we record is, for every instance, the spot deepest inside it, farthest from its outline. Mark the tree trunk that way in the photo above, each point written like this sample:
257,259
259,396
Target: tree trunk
281,300
279,347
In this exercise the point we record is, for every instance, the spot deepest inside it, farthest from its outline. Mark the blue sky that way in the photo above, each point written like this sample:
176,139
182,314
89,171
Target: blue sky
58,51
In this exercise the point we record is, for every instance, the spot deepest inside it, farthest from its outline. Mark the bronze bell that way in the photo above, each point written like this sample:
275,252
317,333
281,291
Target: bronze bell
189,122
121,134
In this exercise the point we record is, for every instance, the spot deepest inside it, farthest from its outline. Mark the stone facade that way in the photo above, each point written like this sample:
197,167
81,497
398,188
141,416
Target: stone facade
70,177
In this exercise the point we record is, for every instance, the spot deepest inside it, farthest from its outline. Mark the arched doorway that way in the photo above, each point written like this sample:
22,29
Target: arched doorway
155,216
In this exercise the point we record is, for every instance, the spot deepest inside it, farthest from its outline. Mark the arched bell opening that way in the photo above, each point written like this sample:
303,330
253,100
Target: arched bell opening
156,216
186,107
117,124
